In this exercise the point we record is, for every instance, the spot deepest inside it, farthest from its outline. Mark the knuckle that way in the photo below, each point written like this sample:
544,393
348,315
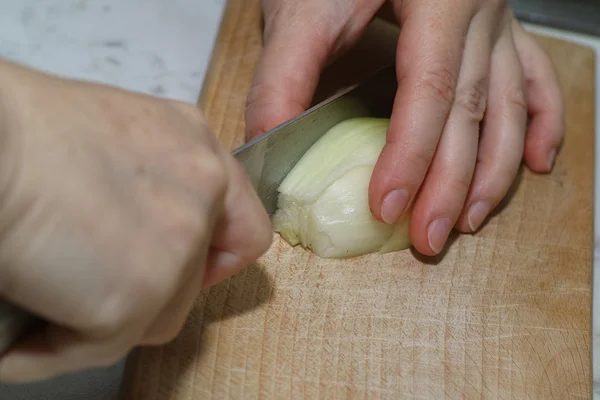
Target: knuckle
208,168
138,291
460,184
473,100
273,11
215,173
505,175
502,175
515,98
109,318
419,157
439,84
410,165
260,113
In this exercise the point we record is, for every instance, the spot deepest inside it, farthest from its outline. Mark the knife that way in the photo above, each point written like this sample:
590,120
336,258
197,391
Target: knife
266,159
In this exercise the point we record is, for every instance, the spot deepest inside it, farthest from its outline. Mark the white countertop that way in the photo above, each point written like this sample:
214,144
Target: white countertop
156,47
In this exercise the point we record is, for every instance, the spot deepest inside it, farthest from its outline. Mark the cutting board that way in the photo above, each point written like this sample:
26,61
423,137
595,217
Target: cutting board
504,313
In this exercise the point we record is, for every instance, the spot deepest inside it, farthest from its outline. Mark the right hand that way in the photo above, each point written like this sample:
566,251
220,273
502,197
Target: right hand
115,210
469,78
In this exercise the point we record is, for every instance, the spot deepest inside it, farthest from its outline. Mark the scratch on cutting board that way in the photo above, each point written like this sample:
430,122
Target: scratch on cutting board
478,339
506,305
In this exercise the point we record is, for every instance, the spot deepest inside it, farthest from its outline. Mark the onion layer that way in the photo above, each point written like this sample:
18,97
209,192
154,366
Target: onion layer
323,202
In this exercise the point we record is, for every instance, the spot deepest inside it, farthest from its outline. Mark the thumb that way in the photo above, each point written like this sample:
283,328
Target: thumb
287,74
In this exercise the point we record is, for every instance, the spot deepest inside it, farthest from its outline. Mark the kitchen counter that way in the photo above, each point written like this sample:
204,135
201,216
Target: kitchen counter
157,47
150,46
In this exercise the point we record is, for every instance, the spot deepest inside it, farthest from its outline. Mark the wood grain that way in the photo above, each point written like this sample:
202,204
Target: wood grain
505,313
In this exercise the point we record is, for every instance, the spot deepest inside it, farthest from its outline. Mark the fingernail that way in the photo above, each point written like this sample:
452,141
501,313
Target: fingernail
477,214
225,260
219,267
438,233
393,205
551,159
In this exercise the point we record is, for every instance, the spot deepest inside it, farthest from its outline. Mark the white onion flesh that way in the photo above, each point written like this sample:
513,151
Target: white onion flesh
323,202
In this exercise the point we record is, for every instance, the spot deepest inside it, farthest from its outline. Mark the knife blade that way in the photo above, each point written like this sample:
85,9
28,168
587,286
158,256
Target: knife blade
266,159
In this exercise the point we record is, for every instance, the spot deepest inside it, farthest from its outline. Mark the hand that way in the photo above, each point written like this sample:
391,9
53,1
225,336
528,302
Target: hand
469,77
116,209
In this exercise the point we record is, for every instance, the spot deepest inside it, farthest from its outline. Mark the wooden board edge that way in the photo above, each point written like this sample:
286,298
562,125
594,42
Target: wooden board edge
211,76
593,335
593,340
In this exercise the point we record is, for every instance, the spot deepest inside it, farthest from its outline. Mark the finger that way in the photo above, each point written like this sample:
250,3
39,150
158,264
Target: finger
503,132
173,316
444,190
55,351
428,61
546,108
221,265
296,50
244,231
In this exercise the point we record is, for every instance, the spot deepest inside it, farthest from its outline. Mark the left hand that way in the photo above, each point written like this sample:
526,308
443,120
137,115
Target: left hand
469,78
115,209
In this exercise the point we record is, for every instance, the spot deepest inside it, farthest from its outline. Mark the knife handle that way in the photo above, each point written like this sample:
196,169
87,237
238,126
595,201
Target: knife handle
14,324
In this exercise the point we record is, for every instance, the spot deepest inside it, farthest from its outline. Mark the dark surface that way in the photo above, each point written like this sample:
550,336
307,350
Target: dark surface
97,384
582,16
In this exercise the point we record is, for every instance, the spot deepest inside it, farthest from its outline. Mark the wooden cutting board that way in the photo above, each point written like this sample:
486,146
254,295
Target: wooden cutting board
505,313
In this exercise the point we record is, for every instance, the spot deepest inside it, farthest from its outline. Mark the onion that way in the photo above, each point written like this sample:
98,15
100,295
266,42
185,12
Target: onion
323,202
